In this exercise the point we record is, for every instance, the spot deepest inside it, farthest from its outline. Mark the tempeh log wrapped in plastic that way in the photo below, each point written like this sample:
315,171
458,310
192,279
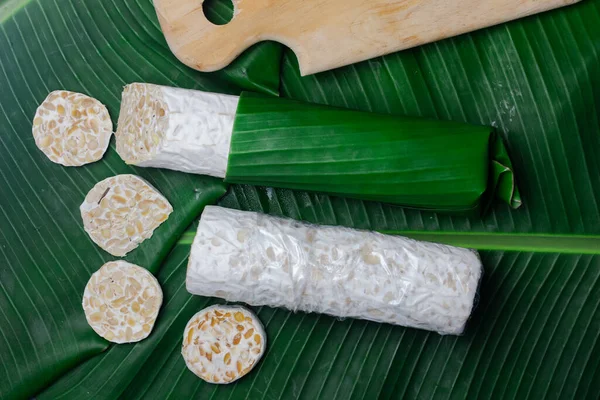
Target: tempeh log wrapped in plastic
264,260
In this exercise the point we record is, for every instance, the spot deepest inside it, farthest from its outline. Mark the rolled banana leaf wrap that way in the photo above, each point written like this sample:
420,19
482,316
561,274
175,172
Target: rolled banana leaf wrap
264,260
413,162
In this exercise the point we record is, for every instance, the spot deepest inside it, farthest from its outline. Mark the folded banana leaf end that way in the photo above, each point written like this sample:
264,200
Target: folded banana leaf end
502,184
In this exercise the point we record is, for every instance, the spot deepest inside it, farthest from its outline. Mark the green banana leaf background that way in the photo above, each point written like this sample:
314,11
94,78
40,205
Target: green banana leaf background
535,331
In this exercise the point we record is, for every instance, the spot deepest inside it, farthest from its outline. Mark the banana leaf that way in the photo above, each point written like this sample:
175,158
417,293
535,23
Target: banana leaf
535,331
531,304
46,257
413,162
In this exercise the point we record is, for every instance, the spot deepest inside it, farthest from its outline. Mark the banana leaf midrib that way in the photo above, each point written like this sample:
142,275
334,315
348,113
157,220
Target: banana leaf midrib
518,242
10,7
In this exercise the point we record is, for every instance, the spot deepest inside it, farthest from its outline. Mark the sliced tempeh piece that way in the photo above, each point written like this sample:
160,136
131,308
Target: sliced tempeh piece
122,211
264,260
121,302
223,343
180,129
72,129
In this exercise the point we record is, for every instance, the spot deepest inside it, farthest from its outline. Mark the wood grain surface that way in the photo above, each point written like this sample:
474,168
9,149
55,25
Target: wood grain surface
327,34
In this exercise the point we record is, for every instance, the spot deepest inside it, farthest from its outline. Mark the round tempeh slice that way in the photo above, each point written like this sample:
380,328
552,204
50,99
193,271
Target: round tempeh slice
122,211
223,343
71,128
121,302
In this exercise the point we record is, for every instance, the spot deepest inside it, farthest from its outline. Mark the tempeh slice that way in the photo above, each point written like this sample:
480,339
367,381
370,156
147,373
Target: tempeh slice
122,211
121,302
71,128
223,343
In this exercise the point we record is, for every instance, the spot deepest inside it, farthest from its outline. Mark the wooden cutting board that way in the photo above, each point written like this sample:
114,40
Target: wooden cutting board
327,34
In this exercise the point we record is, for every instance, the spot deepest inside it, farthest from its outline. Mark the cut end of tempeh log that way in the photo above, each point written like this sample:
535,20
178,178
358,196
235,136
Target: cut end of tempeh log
72,129
223,343
121,302
179,129
122,211
264,260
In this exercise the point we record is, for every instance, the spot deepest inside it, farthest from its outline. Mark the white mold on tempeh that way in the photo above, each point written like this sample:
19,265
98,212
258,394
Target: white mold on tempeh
265,260
179,129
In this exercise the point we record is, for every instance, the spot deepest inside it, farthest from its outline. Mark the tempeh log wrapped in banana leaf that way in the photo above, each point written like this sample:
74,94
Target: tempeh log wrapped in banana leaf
270,141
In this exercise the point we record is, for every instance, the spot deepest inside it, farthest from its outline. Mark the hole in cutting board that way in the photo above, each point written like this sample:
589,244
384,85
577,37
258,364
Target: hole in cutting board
219,12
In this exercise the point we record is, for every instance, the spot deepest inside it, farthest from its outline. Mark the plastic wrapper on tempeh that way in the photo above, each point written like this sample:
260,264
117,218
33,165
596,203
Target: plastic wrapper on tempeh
264,260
